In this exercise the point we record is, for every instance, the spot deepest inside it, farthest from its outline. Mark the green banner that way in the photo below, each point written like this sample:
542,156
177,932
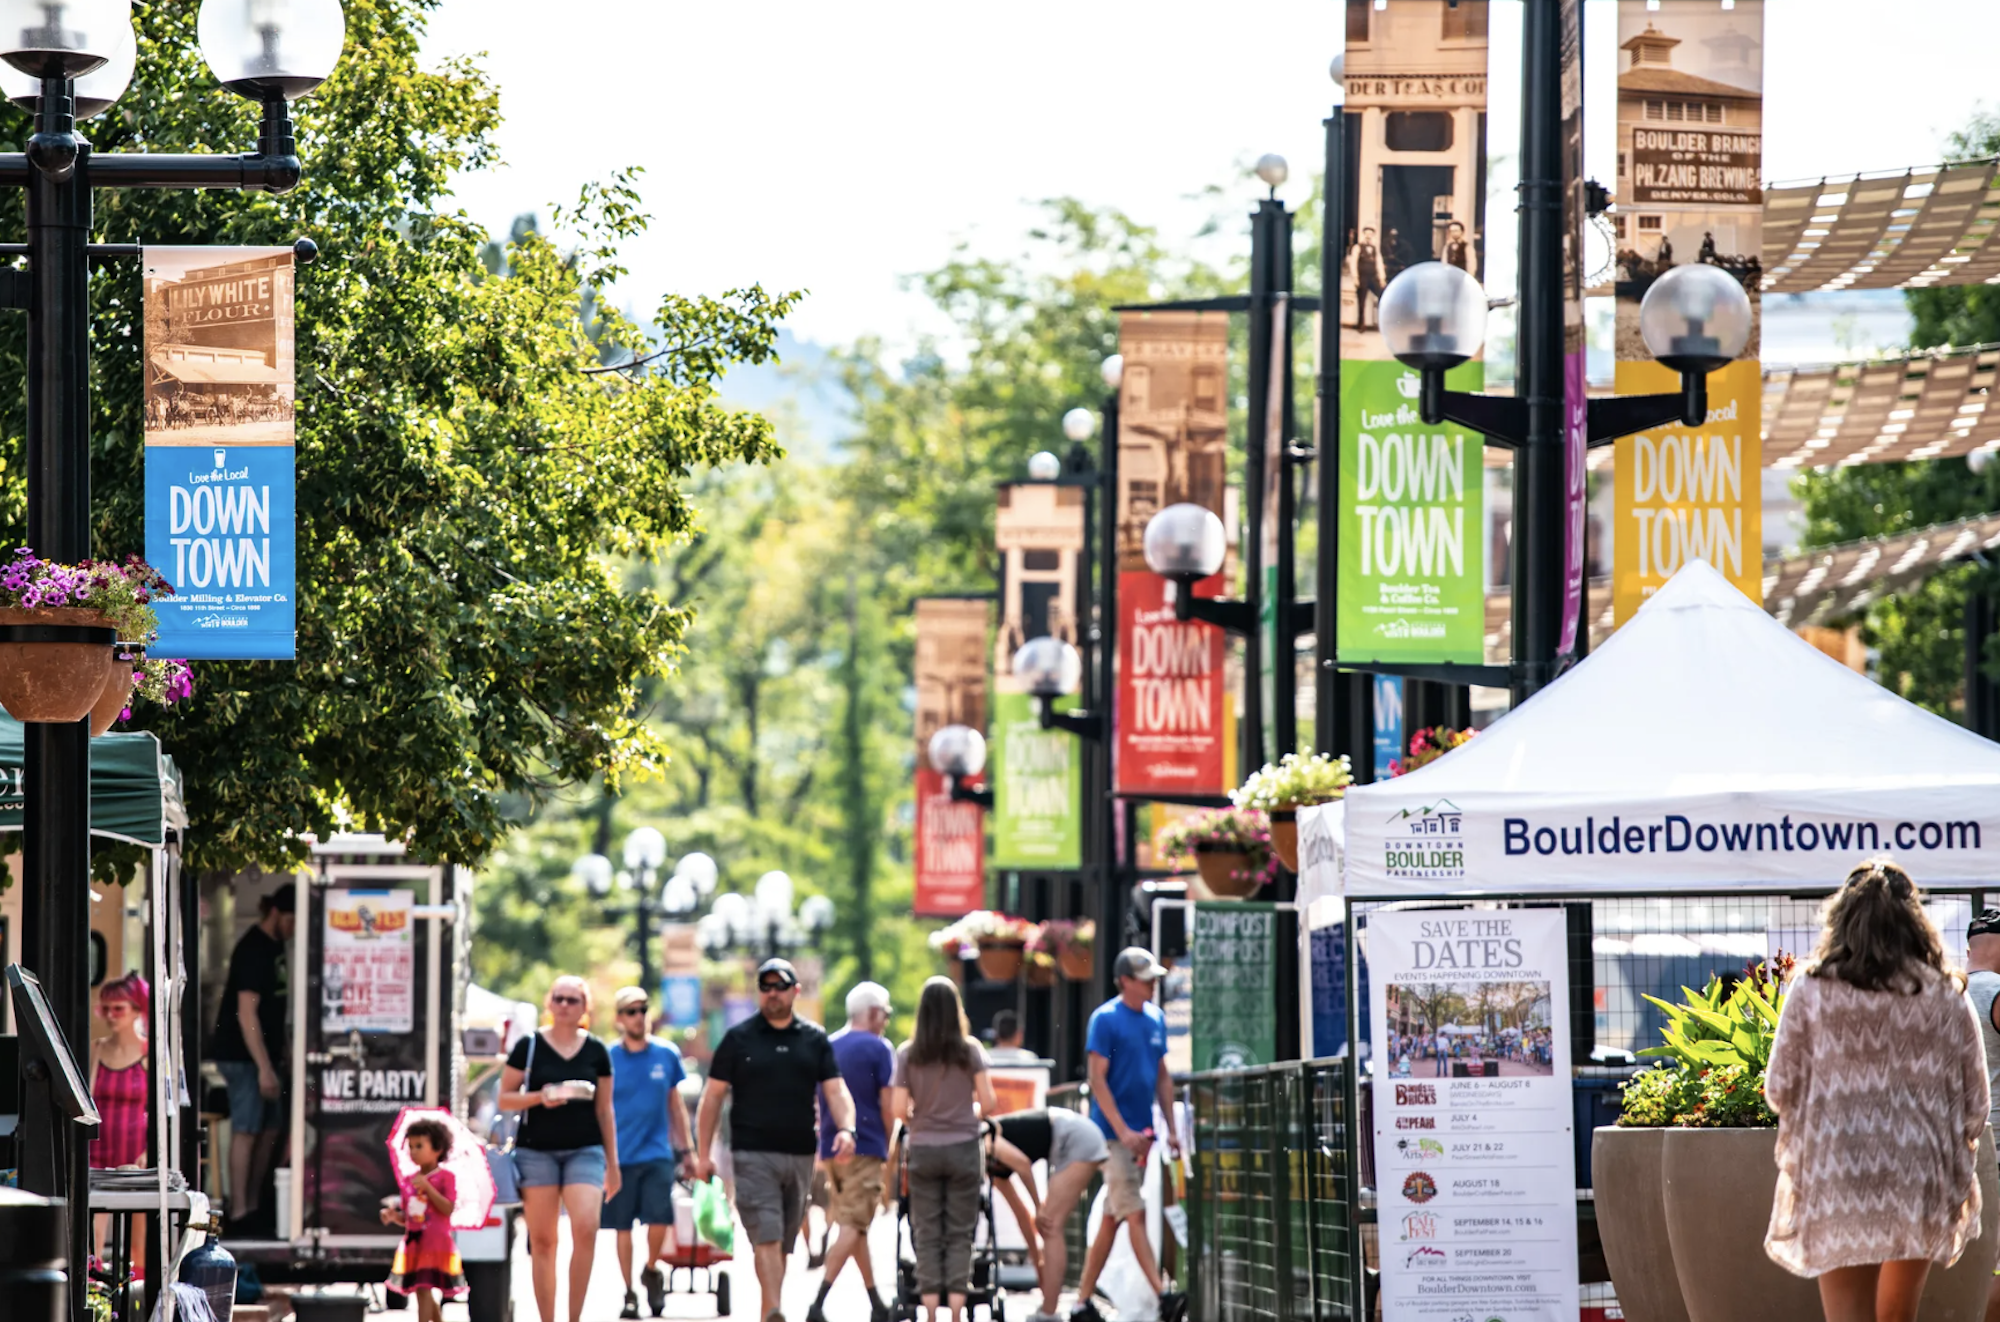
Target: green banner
1037,779
1235,949
1412,561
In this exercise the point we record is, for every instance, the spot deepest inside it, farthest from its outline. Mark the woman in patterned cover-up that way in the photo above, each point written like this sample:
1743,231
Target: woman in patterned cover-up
1879,1081
427,1263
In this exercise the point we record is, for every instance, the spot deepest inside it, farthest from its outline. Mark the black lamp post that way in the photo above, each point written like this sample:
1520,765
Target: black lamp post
273,52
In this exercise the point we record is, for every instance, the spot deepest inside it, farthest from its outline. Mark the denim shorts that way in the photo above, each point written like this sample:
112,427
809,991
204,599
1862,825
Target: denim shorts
561,1167
250,1111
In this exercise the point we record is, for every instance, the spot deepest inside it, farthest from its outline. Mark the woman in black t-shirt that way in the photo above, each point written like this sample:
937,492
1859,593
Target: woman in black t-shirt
567,1147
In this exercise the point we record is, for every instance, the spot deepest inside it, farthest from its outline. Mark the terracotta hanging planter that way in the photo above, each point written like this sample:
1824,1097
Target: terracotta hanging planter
1000,961
1226,872
1285,836
51,671
117,695
1040,975
1078,963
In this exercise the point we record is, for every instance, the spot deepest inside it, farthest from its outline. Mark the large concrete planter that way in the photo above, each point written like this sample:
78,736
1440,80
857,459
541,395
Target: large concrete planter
1717,1187
1632,1222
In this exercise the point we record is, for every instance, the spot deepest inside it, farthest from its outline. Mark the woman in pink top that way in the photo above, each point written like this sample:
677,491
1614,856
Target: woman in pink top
1879,1081
120,1083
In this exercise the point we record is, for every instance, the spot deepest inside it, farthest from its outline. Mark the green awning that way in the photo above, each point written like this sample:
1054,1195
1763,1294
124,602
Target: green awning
135,789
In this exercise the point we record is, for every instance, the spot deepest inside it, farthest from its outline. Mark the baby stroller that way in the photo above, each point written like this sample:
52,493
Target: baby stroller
991,1278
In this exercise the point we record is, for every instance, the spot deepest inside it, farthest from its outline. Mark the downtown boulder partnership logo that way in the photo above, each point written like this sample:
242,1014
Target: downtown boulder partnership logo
1426,843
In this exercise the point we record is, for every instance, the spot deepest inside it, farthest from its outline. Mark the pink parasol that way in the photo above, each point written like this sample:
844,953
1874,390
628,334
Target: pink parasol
466,1161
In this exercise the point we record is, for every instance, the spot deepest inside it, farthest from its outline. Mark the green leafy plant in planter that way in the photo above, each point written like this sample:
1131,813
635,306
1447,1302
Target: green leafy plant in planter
1295,781
1718,1041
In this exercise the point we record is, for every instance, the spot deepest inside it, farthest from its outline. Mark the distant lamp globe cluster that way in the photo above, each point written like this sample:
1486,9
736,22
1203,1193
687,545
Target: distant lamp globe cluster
259,49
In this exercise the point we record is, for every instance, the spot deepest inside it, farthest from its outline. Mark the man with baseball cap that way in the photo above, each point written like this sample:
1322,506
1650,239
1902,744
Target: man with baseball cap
866,1065
652,1127
1127,1046
773,1066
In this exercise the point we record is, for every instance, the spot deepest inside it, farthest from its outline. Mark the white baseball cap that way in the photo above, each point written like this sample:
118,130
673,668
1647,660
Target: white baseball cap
867,996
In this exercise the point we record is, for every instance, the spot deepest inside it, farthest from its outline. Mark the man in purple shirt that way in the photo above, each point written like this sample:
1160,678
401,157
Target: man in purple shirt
866,1065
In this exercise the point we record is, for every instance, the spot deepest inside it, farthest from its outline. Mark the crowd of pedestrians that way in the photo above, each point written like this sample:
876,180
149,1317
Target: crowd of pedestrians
603,1138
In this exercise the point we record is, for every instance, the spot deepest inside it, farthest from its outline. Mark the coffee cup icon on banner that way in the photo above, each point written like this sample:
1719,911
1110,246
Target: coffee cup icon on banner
1408,385
220,453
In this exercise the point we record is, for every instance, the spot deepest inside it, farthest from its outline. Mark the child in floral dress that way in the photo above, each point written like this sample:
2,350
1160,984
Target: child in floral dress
427,1263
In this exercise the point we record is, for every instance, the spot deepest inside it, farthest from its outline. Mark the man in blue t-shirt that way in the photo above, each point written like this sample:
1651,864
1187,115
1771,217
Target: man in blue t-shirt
867,1063
1127,1046
652,1127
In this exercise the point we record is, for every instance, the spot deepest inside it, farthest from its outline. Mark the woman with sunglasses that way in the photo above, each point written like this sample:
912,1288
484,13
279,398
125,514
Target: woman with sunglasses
567,1148
119,1084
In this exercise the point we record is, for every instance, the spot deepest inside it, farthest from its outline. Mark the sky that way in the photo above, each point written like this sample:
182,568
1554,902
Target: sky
840,148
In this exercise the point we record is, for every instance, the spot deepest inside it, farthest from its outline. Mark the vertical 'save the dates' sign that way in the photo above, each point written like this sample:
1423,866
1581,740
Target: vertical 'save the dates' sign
951,690
219,421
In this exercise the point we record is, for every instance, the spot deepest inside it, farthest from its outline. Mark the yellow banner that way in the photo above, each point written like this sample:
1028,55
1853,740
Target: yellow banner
1690,494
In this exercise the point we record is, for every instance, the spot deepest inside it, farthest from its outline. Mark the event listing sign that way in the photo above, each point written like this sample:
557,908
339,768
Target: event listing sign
1474,1153
367,983
219,426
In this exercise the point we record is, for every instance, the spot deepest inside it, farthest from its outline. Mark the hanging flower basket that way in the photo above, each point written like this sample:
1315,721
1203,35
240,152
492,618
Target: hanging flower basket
1000,961
1227,871
54,663
1040,971
116,698
1285,837
1067,943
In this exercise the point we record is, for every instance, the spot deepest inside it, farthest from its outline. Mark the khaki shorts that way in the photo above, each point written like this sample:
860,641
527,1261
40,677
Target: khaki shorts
856,1185
1123,1195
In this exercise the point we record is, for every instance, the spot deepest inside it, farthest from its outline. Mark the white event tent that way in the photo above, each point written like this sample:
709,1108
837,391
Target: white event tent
1703,748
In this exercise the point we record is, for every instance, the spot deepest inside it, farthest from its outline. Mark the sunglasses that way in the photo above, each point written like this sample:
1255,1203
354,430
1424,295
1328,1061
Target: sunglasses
565,1000
114,1007
633,1009
775,986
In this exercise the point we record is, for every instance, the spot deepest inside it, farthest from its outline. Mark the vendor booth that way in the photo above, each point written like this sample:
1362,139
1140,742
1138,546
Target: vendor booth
1674,807
135,798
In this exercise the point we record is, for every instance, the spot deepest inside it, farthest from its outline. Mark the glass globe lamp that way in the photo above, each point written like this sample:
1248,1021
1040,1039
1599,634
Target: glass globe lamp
958,750
1043,466
62,38
94,92
699,869
1433,315
1049,667
266,48
645,848
594,871
1079,425
1695,318
1185,542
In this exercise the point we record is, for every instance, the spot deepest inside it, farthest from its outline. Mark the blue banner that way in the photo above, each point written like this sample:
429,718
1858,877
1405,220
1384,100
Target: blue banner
220,525
681,998
1388,723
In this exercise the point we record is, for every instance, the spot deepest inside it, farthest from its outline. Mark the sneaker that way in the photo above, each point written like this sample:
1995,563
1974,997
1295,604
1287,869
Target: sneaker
1086,1311
654,1281
1173,1306
877,1310
631,1309
815,1261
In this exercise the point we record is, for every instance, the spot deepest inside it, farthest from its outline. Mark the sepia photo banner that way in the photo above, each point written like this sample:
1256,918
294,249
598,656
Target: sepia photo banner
1173,708
951,690
1412,562
1690,121
1036,774
219,424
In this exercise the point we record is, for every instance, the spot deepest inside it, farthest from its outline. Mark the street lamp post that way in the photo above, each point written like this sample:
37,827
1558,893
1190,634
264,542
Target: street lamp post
76,56
763,924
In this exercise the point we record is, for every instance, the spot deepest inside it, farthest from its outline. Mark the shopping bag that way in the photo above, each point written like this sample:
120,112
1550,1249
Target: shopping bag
712,1217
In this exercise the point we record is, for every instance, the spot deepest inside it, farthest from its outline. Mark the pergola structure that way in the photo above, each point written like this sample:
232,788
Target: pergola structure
1929,225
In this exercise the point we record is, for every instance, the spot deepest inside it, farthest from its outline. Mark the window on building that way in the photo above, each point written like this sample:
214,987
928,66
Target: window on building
1465,21
1649,224
1618,225
1357,21
1675,110
1656,110
1621,165
1712,112
1418,130
1041,560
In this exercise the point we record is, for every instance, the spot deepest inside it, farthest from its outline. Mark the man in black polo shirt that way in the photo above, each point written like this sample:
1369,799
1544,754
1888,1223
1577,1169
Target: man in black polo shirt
777,1064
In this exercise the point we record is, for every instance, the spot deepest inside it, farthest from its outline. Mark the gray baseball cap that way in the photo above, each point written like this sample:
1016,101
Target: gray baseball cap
1138,962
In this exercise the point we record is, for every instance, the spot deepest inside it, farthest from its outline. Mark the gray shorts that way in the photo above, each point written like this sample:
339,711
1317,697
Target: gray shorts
772,1189
1072,1138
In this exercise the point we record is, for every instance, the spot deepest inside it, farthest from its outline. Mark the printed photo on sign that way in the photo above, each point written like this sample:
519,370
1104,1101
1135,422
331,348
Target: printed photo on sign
219,336
1467,1030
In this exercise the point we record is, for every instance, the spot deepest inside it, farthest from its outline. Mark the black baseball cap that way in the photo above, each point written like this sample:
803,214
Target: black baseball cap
1985,923
285,899
782,967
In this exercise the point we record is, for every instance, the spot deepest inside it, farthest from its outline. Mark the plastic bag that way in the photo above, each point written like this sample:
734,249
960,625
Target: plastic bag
713,1220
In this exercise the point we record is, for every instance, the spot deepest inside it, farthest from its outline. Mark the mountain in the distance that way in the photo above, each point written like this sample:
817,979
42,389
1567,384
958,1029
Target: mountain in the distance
801,391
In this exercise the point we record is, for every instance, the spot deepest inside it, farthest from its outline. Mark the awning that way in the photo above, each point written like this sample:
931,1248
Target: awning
135,789
1924,405
219,373
1908,229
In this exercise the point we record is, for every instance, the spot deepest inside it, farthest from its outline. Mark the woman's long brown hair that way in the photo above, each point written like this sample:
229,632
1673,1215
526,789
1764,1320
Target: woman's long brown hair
943,1036
1875,934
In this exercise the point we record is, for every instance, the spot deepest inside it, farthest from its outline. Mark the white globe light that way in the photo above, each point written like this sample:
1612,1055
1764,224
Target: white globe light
1272,169
699,869
1049,667
1695,318
816,913
645,848
678,896
774,895
1979,460
1113,371
265,48
95,92
712,933
1044,466
958,750
594,871
1338,69
1079,425
62,38
1185,542
732,910
1433,315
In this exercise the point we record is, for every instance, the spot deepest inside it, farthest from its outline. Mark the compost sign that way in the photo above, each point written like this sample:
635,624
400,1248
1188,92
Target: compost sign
1235,948
1475,1164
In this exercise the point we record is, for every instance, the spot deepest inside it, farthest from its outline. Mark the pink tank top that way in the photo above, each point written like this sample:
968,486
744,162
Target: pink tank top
121,1105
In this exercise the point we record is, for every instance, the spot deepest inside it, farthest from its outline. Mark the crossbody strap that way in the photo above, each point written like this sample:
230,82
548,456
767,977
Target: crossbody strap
527,1076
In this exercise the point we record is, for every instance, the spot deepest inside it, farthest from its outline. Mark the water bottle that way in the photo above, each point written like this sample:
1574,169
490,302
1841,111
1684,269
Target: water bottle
212,1269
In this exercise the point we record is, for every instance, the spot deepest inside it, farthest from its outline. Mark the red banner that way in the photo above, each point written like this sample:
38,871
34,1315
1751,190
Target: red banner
1172,705
951,851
